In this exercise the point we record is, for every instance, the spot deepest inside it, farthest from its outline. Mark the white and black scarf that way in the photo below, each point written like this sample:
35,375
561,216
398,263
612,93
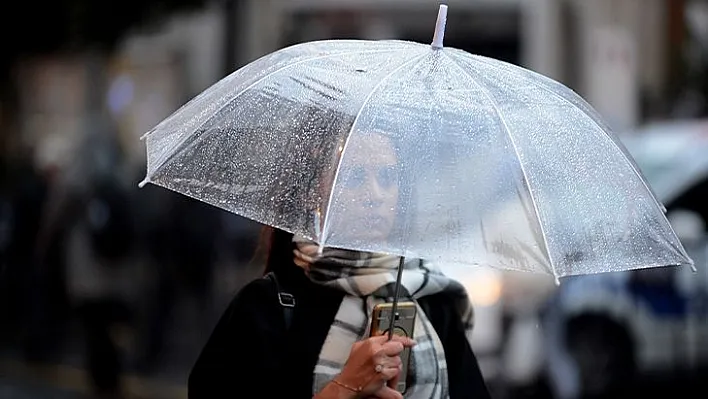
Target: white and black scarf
368,279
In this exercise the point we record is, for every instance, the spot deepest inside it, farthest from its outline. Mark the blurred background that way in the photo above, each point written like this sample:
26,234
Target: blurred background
81,81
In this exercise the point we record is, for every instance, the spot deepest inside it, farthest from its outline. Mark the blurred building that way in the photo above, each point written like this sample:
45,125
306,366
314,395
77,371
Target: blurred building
619,54
614,52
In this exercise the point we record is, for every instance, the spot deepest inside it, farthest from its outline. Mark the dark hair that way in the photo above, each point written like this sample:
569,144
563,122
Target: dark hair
274,249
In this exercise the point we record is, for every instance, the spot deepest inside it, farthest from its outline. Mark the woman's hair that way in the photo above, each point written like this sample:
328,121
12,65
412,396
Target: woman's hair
274,249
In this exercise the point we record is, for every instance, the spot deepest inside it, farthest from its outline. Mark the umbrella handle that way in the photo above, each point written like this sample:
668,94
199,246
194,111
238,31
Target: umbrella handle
439,34
397,290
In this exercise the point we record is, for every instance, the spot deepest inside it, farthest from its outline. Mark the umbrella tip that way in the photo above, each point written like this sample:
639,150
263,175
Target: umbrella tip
143,183
558,282
440,27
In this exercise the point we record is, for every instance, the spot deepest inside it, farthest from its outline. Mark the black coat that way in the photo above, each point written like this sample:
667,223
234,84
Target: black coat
249,356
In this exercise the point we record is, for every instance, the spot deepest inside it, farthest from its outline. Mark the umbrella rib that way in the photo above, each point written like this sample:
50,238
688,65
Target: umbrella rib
249,87
325,223
518,156
543,87
632,165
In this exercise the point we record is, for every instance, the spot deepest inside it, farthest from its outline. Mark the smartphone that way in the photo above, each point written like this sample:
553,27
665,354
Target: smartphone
403,325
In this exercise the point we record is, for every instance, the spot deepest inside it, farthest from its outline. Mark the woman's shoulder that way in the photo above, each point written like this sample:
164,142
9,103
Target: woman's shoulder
256,291
256,302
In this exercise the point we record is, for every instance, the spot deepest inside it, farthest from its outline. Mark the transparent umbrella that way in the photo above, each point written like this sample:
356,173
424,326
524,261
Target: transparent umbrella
420,151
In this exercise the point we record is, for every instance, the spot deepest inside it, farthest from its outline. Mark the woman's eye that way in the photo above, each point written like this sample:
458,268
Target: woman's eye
355,178
387,177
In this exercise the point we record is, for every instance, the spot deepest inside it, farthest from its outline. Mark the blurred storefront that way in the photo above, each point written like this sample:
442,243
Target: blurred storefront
616,53
153,72
140,94
52,101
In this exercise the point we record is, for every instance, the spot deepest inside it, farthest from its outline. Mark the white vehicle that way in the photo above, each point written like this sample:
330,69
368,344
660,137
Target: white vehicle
603,330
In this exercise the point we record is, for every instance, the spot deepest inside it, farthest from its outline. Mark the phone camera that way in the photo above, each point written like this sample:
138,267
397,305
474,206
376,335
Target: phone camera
397,330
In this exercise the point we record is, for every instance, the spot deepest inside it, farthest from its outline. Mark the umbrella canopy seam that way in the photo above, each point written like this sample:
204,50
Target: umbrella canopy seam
383,80
518,157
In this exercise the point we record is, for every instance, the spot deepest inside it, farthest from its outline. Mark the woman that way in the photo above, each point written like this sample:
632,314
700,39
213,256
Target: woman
314,344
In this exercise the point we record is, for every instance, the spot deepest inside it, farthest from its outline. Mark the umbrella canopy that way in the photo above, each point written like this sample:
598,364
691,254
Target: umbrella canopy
420,151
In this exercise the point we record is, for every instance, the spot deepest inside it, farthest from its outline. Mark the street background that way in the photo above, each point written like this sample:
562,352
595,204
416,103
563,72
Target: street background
81,81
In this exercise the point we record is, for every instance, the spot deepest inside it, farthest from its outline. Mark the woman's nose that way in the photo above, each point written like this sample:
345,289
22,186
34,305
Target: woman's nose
376,192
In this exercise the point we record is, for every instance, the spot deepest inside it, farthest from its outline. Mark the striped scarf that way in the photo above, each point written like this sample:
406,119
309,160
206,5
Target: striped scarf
368,279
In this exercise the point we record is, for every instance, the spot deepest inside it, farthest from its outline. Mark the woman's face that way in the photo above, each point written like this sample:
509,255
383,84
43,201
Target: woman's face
369,184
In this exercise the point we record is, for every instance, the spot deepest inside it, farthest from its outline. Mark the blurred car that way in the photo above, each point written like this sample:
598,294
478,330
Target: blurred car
603,331
506,334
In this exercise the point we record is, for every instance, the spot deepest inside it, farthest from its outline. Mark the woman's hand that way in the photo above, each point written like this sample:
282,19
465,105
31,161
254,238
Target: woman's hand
372,363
